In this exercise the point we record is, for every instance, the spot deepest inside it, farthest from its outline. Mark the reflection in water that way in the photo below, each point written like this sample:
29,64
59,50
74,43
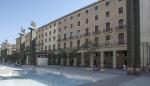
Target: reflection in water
36,77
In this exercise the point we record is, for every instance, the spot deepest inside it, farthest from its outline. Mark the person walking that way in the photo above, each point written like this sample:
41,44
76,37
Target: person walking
124,67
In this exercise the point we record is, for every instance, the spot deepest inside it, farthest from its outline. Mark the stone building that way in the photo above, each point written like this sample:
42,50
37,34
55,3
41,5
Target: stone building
99,28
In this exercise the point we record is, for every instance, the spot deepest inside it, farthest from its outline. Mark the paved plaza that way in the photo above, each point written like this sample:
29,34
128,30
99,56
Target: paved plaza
109,77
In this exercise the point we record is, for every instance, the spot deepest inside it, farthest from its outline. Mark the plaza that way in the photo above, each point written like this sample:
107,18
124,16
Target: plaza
109,77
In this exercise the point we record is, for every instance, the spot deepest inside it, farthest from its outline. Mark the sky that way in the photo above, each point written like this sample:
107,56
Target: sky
17,13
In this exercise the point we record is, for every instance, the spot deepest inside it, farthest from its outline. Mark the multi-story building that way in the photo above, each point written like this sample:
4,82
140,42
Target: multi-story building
103,23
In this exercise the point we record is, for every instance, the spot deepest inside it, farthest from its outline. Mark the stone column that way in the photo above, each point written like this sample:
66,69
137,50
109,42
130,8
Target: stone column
134,37
82,59
62,61
114,59
68,60
75,61
91,60
102,59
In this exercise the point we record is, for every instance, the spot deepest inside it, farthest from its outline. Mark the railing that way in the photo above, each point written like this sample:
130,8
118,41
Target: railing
96,33
108,30
86,34
121,28
78,36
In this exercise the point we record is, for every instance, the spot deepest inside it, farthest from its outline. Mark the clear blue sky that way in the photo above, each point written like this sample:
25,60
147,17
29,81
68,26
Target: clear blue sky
17,13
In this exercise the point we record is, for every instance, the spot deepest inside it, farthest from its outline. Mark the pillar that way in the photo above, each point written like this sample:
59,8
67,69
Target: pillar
82,59
68,61
133,34
91,60
75,61
62,61
102,59
114,59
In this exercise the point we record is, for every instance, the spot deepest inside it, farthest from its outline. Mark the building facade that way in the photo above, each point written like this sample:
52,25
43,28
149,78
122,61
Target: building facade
93,35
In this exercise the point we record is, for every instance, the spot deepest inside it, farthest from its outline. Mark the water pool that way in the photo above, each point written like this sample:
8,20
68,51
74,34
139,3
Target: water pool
43,78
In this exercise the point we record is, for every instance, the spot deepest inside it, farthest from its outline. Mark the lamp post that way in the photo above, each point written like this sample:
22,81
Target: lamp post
21,34
31,46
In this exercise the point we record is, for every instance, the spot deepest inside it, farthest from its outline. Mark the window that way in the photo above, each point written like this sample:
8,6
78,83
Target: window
120,10
107,14
96,29
53,46
49,32
50,26
96,17
71,17
45,34
42,41
71,25
107,26
64,45
78,43
71,44
45,40
49,39
65,27
45,48
54,24
54,38
59,37
96,7
107,3
78,23
121,38
87,21
71,34
59,22
120,23
65,38
107,41
54,31
86,11
96,40
64,19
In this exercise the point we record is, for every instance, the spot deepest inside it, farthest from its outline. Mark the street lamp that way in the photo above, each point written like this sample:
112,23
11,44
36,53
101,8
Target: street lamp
21,34
31,48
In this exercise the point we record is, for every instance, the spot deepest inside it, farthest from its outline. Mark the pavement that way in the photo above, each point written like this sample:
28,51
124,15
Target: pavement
109,77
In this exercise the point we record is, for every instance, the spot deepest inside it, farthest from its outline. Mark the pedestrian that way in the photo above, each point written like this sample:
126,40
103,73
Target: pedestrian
124,67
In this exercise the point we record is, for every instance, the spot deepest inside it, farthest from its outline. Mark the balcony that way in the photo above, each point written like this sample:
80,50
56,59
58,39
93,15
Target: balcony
95,33
87,34
71,37
108,30
113,44
121,28
78,36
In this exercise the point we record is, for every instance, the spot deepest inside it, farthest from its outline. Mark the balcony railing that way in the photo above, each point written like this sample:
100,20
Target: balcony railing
121,28
78,36
71,37
96,33
108,30
87,34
